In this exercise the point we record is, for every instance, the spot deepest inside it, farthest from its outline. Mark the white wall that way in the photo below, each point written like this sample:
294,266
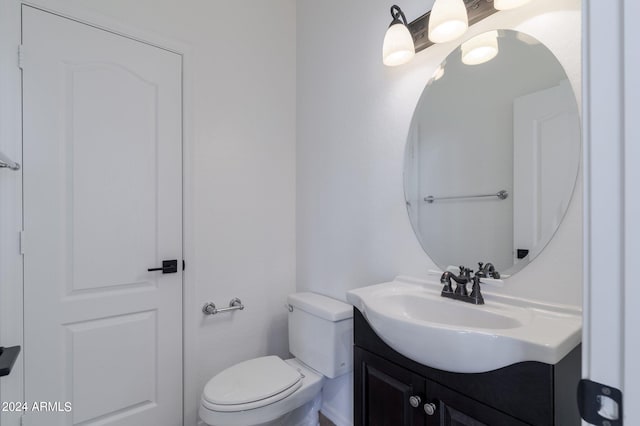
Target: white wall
240,169
353,116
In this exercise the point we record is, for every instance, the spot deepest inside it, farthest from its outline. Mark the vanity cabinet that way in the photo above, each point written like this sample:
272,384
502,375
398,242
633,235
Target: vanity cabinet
392,390
385,392
393,395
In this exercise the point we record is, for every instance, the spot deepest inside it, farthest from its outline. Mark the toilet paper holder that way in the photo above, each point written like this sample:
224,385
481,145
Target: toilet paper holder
235,304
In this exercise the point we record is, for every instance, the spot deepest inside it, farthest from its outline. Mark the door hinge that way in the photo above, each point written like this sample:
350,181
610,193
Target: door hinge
25,420
22,242
20,56
599,404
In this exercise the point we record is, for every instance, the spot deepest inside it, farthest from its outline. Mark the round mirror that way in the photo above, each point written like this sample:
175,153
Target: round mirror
492,154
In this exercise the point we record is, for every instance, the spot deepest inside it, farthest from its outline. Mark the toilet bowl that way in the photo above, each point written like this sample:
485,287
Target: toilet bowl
250,407
275,392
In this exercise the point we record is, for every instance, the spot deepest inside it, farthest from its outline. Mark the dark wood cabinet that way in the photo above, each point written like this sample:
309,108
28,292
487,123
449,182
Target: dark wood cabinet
386,392
455,409
392,390
393,395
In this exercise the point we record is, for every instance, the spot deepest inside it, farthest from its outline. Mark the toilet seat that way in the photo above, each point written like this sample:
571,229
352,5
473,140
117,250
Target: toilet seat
311,385
251,384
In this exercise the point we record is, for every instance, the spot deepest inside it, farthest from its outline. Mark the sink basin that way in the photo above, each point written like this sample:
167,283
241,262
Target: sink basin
411,317
422,306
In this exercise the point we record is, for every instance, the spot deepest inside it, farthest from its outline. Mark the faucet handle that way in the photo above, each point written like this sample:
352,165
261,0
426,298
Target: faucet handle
446,280
476,295
467,273
463,269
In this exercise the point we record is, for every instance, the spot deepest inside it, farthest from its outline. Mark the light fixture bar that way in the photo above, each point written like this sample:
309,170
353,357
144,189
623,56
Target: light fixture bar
477,10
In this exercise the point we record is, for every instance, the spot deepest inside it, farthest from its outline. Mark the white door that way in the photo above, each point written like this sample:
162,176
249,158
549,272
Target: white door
546,150
102,204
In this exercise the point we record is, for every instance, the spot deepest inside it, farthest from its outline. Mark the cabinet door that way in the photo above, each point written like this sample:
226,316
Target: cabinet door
454,409
384,391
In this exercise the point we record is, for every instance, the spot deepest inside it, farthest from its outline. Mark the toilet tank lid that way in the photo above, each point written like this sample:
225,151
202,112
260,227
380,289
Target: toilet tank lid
321,306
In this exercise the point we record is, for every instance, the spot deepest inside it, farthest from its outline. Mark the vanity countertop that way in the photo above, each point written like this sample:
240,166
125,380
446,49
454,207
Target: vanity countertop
410,316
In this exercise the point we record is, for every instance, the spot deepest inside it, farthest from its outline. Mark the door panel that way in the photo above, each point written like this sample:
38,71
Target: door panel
127,341
102,204
383,390
456,409
453,417
546,152
125,157
385,395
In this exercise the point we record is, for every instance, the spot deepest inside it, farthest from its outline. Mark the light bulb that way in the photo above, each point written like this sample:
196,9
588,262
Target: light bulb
398,47
448,20
437,75
480,49
509,4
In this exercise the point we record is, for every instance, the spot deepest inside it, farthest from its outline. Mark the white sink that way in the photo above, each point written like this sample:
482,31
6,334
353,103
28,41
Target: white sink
411,317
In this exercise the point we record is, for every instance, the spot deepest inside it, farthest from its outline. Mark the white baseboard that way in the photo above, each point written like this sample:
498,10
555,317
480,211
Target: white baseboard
337,418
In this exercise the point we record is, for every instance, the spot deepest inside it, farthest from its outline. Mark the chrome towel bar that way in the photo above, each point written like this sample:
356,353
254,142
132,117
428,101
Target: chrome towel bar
502,195
6,163
234,305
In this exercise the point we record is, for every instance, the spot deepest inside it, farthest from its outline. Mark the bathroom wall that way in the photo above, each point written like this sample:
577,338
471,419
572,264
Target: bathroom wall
353,116
353,119
240,170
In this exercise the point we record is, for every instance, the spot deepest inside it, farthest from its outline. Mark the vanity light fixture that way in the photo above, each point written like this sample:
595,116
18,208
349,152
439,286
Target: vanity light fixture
480,49
398,47
509,4
448,20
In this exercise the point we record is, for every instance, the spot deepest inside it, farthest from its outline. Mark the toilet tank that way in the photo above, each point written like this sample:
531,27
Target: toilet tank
321,333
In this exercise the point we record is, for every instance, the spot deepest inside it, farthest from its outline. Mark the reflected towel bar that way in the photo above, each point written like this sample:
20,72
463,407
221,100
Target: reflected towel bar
502,195
5,163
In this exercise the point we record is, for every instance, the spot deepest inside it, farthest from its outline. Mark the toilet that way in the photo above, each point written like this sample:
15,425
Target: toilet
270,391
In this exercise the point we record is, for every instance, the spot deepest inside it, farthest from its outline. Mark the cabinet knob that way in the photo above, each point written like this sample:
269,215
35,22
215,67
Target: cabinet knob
414,401
430,408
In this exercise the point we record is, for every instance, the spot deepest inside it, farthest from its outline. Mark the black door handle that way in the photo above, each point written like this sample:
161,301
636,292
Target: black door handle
8,357
168,267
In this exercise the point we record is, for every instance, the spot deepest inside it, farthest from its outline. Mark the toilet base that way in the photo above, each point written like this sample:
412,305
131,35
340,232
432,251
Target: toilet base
305,415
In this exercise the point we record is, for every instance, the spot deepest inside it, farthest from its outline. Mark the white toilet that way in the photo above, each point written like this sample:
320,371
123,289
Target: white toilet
271,391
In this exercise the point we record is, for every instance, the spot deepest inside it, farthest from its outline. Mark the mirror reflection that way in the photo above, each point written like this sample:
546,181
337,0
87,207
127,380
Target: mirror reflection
492,153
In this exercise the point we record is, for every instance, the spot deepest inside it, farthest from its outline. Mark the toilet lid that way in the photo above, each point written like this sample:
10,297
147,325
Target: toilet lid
252,380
